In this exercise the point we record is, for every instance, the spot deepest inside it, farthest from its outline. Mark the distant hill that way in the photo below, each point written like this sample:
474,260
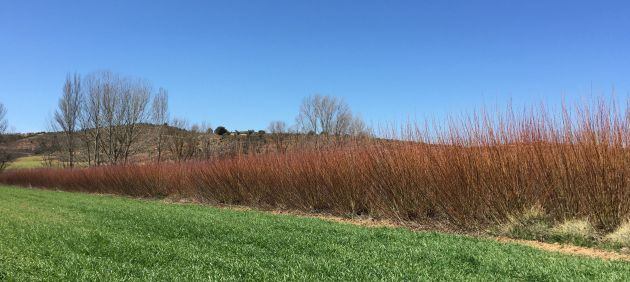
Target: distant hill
180,144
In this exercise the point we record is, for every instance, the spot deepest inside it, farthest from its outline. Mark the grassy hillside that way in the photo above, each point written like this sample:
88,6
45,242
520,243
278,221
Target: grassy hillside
195,145
68,236
27,162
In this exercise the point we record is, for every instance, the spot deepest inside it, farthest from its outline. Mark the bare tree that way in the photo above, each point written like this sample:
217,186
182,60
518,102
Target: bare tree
358,127
276,127
115,108
4,124
327,115
5,155
49,146
159,116
182,140
206,148
307,119
111,111
91,118
66,118
135,101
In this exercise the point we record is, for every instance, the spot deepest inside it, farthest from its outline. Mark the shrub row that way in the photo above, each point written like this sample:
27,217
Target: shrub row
473,172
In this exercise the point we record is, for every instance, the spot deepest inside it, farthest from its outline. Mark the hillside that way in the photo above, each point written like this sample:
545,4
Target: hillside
46,148
48,143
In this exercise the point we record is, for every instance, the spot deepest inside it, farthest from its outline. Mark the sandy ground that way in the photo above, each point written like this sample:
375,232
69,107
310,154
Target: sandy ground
568,249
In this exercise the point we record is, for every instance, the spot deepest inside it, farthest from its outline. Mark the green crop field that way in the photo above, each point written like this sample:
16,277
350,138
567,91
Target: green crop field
70,236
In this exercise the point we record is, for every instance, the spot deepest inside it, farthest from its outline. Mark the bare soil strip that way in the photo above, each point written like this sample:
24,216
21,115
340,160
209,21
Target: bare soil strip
568,249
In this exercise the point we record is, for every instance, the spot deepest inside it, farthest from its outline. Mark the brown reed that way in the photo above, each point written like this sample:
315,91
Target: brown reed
470,171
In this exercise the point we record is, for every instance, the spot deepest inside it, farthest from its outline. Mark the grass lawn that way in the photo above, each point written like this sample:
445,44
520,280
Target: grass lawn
27,162
70,236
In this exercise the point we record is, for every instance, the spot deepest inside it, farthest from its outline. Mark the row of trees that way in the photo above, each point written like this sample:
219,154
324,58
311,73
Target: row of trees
104,111
101,117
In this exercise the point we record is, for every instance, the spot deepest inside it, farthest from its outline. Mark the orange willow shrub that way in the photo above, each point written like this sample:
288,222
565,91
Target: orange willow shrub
471,172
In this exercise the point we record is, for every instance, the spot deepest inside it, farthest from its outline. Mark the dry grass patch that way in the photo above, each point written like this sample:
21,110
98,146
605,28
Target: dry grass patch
621,236
576,231
531,224
535,224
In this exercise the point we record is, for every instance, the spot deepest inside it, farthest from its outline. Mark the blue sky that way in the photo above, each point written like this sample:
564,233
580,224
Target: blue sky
245,63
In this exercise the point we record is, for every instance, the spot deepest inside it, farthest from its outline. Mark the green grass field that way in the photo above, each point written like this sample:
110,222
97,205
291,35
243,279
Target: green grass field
70,236
28,162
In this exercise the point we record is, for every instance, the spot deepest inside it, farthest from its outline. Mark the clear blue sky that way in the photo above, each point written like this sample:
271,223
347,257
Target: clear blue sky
245,63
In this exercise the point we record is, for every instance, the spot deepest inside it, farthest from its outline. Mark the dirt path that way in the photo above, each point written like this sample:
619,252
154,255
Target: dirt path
568,249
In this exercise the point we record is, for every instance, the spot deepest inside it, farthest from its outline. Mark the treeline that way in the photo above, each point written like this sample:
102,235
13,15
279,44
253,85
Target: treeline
101,117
